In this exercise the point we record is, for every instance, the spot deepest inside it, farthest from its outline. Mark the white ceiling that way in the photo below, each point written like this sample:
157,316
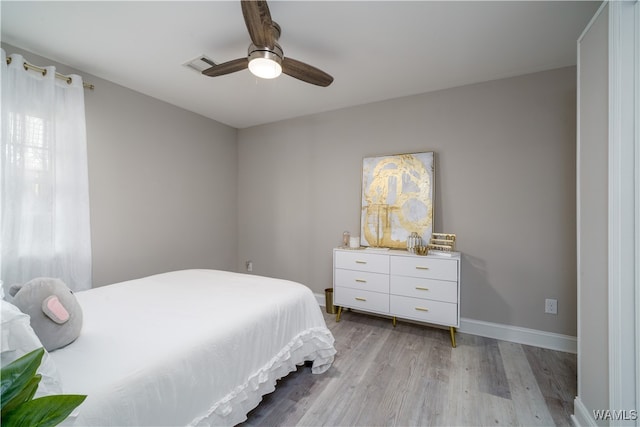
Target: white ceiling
375,50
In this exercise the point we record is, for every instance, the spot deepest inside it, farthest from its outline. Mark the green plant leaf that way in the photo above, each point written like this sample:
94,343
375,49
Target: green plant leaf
17,375
19,383
43,412
25,395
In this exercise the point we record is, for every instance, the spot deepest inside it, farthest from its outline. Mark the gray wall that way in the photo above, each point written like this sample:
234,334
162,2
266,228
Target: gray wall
162,184
592,211
505,184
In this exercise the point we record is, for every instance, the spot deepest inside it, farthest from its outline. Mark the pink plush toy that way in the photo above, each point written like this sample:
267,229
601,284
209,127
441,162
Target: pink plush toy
56,315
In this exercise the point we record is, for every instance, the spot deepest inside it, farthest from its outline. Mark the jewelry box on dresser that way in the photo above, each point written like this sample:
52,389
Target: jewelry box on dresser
399,284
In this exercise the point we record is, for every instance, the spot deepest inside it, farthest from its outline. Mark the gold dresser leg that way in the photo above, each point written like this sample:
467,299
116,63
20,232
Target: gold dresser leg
452,331
394,321
338,314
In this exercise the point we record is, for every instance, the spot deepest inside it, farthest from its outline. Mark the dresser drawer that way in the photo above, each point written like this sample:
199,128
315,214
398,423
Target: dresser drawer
429,268
359,299
364,280
417,287
362,261
444,313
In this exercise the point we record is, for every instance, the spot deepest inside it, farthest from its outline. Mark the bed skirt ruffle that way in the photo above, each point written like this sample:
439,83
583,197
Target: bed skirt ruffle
315,344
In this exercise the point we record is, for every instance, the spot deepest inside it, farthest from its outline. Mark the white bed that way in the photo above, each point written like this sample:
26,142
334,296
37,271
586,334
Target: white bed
192,347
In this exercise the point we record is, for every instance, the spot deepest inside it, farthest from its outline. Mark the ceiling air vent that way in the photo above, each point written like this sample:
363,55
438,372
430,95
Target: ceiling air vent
200,64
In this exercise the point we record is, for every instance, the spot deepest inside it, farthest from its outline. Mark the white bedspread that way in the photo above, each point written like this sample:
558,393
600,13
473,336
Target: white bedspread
192,347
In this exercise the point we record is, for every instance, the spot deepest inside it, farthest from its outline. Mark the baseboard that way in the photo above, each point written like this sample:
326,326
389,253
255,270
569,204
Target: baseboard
520,335
320,299
516,334
581,416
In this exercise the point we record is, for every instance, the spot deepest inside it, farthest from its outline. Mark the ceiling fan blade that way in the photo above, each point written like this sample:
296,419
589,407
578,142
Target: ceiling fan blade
305,72
227,67
258,20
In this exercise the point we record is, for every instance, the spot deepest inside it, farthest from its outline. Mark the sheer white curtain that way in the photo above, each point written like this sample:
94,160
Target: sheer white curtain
43,178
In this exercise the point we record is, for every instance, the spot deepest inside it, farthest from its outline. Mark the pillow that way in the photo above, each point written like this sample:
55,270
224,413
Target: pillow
18,339
56,315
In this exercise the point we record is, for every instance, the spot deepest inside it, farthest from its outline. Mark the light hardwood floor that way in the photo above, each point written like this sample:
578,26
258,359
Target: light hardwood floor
411,376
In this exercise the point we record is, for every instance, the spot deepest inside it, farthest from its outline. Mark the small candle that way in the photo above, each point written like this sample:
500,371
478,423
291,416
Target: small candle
346,238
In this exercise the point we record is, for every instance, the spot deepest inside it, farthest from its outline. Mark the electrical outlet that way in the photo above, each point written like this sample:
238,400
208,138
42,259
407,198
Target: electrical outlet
249,265
551,306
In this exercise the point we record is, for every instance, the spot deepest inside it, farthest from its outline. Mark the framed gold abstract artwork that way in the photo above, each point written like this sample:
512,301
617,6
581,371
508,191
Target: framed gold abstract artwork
397,199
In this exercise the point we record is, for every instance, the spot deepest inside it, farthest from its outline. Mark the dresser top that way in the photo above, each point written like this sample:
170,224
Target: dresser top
397,252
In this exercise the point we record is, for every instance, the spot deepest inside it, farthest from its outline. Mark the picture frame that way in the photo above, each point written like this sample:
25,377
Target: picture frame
397,199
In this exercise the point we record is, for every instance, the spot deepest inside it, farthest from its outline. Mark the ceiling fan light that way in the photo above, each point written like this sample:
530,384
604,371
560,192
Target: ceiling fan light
264,62
265,68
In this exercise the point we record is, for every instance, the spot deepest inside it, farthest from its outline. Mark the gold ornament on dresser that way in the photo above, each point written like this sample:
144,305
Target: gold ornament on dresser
442,244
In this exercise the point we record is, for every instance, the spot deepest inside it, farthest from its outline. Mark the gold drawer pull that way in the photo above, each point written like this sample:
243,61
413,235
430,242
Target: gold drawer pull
361,281
422,309
360,299
421,288
358,261
419,267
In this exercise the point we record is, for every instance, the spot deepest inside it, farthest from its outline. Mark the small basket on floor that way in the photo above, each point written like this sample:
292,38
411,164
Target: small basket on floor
328,301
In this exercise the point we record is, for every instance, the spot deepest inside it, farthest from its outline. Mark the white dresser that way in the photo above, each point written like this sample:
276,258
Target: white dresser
399,284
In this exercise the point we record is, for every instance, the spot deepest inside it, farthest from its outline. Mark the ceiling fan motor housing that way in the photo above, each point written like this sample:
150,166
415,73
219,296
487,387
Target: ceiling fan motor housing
274,54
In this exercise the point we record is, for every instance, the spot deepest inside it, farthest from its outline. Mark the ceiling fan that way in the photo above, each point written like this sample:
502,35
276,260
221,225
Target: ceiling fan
265,57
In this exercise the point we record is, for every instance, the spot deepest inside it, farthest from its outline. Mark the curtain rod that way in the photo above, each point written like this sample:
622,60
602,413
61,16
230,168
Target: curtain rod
43,71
